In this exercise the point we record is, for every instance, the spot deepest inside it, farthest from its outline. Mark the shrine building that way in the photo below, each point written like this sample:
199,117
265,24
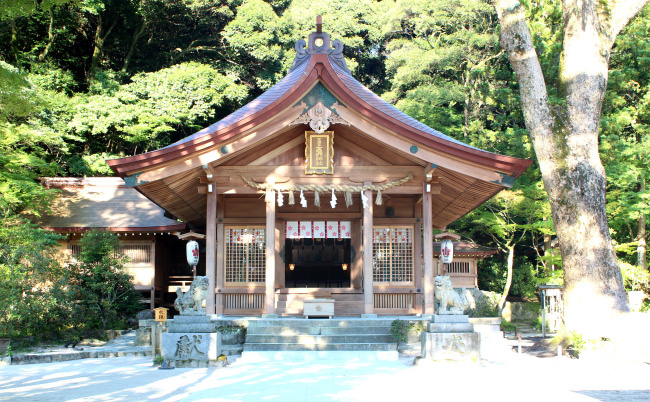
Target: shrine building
319,187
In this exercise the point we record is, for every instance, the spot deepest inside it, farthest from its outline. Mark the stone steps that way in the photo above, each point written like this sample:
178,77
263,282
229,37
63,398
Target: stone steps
346,304
61,356
366,347
319,339
343,337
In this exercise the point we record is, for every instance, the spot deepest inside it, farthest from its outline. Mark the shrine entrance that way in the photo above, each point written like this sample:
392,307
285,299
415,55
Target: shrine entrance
317,263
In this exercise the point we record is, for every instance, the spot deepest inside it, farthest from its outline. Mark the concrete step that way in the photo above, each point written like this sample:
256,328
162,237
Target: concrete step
263,347
318,339
305,330
492,336
487,328
319,356
323,322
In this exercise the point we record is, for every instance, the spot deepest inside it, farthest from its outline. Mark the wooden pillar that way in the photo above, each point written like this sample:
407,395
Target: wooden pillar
211,246
270,256
427,248
221,252
368,305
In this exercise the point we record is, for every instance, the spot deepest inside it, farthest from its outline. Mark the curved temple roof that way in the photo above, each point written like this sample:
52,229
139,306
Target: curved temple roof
311,65
319,74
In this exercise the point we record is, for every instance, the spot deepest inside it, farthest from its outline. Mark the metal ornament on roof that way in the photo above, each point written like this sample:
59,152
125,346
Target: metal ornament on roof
319,118
447,251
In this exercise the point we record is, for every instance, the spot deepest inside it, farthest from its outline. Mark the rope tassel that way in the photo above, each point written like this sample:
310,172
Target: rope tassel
378,201
348,198
303,201
364,200
317,198
292,200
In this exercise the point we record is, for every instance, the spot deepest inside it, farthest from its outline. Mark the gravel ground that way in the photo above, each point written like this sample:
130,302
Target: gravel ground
516,377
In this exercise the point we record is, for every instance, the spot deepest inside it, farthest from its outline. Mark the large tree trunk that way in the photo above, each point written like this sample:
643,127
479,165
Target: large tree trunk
506,288
136,37
98,44
50,37
641,236
566,144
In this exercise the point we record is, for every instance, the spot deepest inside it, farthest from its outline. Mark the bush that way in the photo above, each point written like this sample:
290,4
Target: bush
399,329
31,286
102,292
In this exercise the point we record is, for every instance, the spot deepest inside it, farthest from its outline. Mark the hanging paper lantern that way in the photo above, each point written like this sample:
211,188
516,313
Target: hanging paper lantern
446,251
192,253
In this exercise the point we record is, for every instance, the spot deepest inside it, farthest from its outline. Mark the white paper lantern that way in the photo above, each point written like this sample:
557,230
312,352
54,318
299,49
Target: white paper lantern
192,253
446,251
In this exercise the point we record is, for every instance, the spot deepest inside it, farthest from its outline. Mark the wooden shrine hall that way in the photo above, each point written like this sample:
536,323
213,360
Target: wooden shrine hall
319,187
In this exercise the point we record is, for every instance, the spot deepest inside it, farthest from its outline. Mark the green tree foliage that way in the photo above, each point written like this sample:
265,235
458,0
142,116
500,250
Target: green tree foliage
22,146
31,289
152,111
624,143
100,288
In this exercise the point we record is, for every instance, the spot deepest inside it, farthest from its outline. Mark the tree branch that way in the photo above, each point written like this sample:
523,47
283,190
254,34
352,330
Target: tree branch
623,12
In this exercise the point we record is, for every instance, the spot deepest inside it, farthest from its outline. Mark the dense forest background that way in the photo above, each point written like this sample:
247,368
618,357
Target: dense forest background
90,80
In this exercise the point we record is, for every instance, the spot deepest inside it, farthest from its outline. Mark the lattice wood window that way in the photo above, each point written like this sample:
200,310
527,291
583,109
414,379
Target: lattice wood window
245,255
458,267
392,255
137,253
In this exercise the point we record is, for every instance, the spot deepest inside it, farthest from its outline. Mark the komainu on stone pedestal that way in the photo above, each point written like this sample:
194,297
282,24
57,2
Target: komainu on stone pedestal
192,301
449,301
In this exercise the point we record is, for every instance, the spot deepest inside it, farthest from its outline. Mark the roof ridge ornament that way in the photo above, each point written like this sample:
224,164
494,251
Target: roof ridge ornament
319,43
319,118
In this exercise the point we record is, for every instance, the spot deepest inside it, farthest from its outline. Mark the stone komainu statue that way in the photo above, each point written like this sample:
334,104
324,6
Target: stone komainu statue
191,302
449,301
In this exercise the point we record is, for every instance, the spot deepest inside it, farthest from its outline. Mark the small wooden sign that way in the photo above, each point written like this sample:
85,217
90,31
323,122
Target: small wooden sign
160,314
319,152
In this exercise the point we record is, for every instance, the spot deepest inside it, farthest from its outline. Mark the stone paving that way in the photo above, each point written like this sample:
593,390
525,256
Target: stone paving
514,378
80,375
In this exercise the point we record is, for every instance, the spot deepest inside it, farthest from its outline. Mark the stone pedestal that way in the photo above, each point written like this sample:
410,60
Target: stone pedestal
191,341
451,337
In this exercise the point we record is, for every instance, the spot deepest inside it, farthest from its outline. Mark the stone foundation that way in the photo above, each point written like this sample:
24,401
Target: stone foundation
451,337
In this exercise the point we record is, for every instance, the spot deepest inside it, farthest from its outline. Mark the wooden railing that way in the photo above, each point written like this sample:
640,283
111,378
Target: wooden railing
243,303
393,301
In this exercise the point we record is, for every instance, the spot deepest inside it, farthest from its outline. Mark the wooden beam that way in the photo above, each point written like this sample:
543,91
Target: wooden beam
274,153
299,171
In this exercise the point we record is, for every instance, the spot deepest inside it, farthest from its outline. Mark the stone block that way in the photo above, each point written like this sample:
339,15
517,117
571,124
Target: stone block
143,337
451,346
450,318
190,319
318,308
450,327
186,347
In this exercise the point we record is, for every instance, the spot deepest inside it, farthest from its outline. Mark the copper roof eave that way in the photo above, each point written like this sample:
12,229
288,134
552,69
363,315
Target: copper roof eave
511,165
124,166
180,226
317,68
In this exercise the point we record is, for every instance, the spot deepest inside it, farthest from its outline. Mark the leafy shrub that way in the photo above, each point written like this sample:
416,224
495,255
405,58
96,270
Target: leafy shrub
31,290
399,329
102,292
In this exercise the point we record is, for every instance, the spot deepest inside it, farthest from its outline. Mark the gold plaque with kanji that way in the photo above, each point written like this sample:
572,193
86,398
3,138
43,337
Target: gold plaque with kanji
160,314
319,152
